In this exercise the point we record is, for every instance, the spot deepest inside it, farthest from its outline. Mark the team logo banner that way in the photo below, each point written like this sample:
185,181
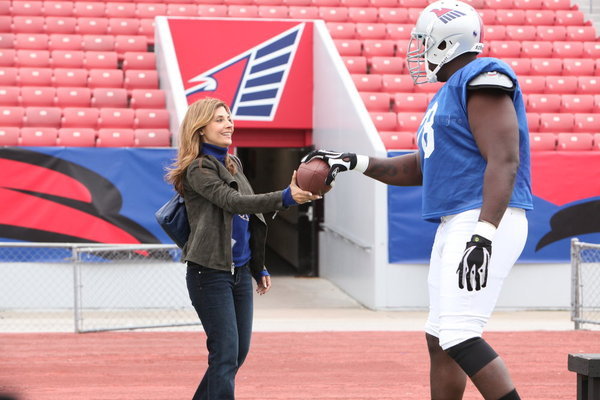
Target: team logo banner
261,68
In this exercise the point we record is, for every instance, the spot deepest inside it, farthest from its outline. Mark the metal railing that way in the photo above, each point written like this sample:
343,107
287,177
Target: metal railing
585,279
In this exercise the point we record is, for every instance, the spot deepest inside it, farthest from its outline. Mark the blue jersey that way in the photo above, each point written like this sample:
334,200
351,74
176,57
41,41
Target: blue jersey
451,163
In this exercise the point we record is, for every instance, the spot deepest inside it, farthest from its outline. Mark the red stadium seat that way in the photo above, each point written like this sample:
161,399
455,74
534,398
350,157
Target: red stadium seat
536,49
101,60
273,11
80,117
9,136
124,43
376,101
551,33
561,84
398,31
42,116
139,60
520,32
147,29
420,4
559,122
542,141
187,10
385,48
397,83
116,118
115,137
543,103
398,140
587,122
488,16
67,58
348,47
124,26
28,24
11,96
98,42
521,66
384,3
33,58
303,12
366,30
597,103
575,141
35,76
393,15
597,141
510,16
410,102
76,137
504,48
89,9
70,77
569,17
152,138
342,30
151,10
367,82
588,84
356,64
59,41
499,4
9,76
7,40
92,25
409,121
362,14
384,121
495,32
557,4
141,79
58,8
109,97
354,3
401,48
120,10
293,3
591,50
12,116
567,49
151,119
532,84
546,66
73,97
27,8
533,121
61,25
386,65
7,57
31,41
38,136
581,33
148,98
578,66
539,17
577,103
333,14
242,11
108,78
37,96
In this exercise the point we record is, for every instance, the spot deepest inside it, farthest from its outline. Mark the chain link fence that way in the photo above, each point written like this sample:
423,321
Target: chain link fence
90,288
585,290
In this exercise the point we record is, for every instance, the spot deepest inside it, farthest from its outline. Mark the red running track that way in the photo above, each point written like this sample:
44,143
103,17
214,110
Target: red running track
311,365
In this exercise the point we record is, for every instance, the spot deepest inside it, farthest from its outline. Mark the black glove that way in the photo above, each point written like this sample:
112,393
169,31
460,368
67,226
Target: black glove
473,266
338,162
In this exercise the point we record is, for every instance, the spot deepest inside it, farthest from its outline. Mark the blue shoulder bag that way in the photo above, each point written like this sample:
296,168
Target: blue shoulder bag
172,217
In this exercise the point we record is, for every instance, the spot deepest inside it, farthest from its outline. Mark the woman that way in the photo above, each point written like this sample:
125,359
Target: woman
226,246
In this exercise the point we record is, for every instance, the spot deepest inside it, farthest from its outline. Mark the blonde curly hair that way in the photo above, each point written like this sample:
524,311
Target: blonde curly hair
198,115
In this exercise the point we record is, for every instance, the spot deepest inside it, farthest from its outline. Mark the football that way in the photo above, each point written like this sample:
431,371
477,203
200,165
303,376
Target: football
311,176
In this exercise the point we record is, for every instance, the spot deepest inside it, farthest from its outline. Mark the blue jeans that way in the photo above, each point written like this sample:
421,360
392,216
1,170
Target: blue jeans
224,303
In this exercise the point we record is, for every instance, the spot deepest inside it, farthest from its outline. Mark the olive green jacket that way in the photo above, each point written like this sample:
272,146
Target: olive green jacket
212,196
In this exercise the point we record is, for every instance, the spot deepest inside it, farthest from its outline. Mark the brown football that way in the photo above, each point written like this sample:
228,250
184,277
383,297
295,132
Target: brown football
311,176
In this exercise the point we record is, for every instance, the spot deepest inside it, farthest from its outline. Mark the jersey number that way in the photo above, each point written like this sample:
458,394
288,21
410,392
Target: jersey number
426,135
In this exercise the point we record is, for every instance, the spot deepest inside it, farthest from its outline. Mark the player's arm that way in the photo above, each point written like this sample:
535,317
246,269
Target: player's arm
404,170
493,121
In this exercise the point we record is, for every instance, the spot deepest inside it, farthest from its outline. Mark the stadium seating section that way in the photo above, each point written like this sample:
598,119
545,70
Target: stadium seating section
83,73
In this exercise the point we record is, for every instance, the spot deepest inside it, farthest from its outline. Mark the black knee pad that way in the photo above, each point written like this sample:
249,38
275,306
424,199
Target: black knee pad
513,395
472,355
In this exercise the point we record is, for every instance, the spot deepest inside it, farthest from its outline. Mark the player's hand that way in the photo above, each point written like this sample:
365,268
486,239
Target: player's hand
338,162
264,285
301,196
473,267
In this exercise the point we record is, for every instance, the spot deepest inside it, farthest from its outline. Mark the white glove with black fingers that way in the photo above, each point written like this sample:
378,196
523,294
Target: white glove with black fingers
473,267
339,162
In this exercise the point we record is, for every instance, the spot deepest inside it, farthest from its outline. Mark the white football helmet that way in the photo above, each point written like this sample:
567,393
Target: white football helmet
445,29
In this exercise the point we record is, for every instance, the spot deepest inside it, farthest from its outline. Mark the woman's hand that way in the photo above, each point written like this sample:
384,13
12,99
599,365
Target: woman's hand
264,286
301,196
